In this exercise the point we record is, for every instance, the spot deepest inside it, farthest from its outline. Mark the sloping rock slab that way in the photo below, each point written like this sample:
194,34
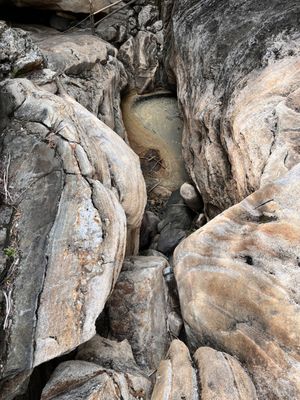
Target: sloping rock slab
74,380
238,280
138,309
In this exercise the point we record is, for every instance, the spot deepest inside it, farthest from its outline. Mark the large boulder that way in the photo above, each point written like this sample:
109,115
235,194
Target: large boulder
239,284
236,65
18,53
89,70
109,354
70,186
84,380
138,309
213,376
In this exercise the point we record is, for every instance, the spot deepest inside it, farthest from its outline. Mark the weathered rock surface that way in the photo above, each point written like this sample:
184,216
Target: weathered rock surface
18,54
140,57
177,220
138,309
108,354
89,70
238,78
238,282
76,6
148,229
191,197
72,185
84,380
221,377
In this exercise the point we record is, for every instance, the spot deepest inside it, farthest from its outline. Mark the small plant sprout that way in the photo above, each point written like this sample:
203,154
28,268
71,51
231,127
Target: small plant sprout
10,252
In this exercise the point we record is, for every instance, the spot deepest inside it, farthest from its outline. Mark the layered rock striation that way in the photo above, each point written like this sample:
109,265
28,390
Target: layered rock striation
238,282
236,65
75,197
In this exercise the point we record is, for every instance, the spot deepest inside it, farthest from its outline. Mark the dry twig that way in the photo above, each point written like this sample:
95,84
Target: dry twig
8,304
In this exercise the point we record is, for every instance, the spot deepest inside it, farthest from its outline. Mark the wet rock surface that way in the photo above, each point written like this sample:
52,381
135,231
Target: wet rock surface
154,128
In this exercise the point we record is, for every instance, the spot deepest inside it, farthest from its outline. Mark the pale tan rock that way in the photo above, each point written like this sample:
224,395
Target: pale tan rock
138,309
74,185
222,377
176,378
238,282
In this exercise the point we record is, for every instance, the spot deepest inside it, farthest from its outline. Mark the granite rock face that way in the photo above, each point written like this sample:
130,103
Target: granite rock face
138,309
73,188
236,65
83,380
139,55
89,70
238,282
18,53
220,376
109,354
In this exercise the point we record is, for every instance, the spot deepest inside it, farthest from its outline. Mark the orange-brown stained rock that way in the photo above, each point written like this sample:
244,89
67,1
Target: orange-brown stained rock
213,376
222,377
238,279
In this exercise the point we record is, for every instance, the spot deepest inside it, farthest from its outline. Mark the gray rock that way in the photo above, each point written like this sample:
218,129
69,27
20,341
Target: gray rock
152,252
138,309
191,197
147,16
84,380
139,55
78,6
70,195
200,221
169,238
18,54
109,354
89,70
175,323
148,229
